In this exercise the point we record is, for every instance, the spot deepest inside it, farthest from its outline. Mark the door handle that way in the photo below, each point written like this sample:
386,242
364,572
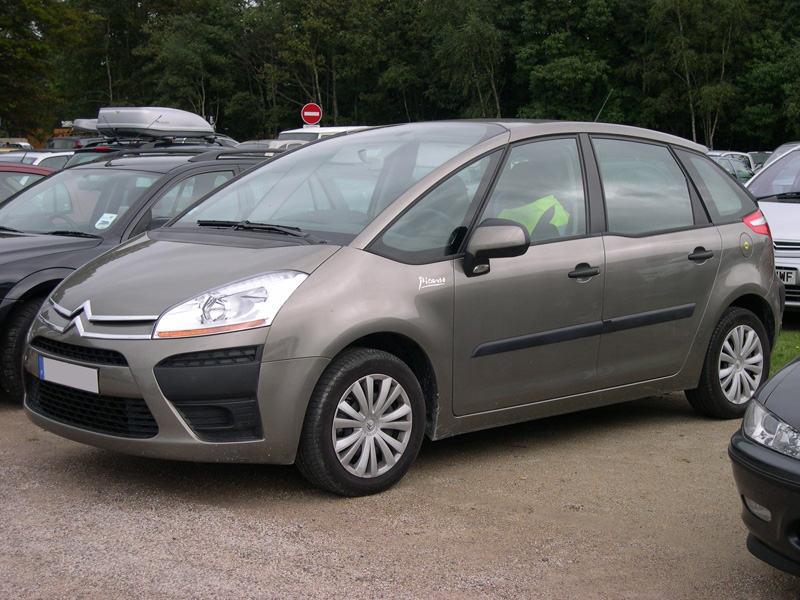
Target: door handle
584,271
701,255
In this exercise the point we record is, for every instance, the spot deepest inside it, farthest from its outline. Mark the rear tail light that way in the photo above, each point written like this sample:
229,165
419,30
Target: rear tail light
758,223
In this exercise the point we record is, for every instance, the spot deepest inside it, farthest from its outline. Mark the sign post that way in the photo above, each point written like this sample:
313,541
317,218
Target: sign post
311,113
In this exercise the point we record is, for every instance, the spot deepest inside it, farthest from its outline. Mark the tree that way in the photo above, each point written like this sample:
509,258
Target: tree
695,40
28,29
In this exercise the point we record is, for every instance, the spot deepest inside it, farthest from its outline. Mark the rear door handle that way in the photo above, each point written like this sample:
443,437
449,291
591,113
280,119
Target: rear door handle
701,255
584,271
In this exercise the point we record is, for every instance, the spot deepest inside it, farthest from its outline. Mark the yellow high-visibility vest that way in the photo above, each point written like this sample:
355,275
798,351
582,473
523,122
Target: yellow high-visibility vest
529,214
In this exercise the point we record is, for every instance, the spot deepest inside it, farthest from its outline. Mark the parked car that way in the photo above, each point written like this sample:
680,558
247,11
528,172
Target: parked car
310,133
777,189
70,142
344,299
54,159
15,176
9,144
765,454
758,157
779,152
742,157
51,228
735,168
148,128
275,146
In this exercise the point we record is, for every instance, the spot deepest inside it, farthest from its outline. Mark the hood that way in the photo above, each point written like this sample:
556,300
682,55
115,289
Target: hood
783,219
781,392
15,247
147,276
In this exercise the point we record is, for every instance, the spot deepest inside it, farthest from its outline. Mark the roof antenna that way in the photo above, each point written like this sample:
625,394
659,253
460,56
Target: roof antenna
604,105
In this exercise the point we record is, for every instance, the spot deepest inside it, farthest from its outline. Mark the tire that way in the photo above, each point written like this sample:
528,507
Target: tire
736,364
348,446
13,347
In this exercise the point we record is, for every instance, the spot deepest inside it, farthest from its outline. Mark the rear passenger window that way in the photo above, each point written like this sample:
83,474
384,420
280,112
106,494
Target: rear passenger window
645,189
723,197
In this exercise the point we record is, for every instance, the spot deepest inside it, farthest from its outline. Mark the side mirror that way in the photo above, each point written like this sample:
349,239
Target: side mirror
494,238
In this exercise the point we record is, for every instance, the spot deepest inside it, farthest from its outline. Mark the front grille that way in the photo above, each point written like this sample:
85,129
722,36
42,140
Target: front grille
122,417
95,356
793,293
213,358
786,246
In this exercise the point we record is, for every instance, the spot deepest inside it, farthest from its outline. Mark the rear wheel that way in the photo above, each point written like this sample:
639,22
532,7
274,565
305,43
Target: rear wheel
736,363
364,424
13,347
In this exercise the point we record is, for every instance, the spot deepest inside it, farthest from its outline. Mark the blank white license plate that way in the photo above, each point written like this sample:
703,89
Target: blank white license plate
788,276
75,376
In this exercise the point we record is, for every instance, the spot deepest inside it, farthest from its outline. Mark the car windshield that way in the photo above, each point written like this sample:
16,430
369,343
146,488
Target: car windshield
336,187
779,178
81,201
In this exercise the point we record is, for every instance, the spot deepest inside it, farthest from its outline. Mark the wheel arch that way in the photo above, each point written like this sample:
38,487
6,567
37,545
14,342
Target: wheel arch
761,309
412,355
38,284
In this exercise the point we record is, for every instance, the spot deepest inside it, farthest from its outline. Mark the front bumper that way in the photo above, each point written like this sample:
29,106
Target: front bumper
787,266
771,480
206,399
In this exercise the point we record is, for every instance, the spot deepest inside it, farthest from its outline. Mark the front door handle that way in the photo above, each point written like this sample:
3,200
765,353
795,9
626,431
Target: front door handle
584,271
701,255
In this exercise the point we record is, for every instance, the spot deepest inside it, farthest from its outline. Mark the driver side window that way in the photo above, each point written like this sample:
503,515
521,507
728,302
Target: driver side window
541,187
434,227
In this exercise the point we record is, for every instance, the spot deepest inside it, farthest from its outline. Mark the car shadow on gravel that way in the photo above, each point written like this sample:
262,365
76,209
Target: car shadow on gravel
108,473
658,411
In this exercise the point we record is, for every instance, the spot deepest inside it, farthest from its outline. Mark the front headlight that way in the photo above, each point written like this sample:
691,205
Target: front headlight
764,428
236,306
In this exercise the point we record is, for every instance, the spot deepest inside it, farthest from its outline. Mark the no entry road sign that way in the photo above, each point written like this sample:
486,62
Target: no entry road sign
311,113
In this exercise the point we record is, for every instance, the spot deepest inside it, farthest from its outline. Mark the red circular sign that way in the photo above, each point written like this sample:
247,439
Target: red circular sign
311,113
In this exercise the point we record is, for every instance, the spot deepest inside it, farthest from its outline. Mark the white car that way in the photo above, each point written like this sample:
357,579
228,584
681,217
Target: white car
309,133
777,189
44,158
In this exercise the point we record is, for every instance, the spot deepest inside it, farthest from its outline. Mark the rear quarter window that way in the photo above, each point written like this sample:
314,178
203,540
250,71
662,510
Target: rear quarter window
725,200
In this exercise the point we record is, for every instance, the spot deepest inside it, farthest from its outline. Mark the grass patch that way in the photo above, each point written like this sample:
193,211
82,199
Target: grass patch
788,344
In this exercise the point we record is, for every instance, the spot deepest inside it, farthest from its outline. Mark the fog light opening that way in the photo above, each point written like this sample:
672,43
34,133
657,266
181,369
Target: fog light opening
760,511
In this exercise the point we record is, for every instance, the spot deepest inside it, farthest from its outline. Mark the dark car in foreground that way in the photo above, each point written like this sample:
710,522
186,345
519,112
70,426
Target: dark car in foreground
52,227
765,455
338,303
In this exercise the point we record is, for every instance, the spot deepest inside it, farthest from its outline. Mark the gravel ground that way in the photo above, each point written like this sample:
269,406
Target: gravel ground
630,501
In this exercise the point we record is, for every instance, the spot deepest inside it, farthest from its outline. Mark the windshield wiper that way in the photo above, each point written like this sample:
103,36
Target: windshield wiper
66,232
266,227
783,196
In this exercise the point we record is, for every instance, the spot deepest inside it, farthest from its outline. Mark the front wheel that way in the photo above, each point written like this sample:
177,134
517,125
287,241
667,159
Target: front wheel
13,347
364,424
736,363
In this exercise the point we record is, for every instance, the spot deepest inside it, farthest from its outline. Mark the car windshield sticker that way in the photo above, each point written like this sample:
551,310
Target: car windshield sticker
105,221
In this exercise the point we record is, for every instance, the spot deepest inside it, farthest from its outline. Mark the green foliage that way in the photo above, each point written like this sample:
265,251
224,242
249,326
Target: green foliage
724,72
788,345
